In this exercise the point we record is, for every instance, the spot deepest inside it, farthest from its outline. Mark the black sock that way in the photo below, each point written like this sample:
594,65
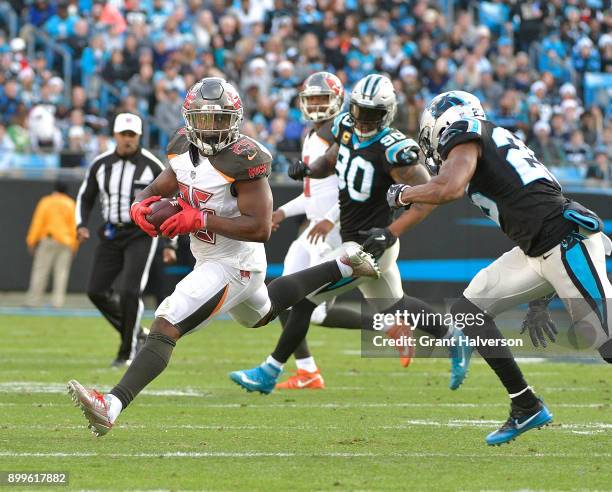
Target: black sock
288,290
499,358
295,331
149,363
302,351
434,321
342,317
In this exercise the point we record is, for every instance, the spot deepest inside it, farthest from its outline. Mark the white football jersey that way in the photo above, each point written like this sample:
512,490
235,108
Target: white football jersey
320,194
209,189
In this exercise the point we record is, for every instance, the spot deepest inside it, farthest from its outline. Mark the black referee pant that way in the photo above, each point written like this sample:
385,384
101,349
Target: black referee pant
127,255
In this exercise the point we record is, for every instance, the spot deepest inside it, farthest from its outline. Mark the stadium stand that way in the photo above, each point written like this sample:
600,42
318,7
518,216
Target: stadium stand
543,69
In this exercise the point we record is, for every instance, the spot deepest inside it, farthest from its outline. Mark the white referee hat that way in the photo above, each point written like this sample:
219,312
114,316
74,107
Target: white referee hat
128,122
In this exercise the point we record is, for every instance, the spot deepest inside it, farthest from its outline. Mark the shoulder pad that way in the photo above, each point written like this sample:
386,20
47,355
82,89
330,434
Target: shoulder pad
340,123
459,132
245,159
178,144
325,131
400,150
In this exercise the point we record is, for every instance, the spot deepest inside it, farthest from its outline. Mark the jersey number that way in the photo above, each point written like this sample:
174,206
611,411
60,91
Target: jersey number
347,168
521,157
197,198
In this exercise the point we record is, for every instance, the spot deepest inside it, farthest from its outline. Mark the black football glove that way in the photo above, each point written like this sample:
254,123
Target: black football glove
393,193
298,171
538,322
377,240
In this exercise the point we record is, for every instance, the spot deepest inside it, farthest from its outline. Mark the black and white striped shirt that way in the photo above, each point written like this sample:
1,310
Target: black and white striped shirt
116,180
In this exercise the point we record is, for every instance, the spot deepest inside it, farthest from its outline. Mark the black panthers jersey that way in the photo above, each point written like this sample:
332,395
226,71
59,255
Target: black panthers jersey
511,186
363,169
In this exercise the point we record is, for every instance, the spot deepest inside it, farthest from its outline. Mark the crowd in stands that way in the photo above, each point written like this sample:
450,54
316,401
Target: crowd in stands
528,61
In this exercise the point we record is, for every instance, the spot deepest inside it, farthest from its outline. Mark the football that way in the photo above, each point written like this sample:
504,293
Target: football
161,210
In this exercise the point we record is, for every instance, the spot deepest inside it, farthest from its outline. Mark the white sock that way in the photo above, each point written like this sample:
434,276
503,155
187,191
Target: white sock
307,364
345,270
115,407
273,362
514,395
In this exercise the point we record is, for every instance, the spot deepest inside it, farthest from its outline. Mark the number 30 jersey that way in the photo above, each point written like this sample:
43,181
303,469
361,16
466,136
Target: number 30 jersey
364,175
511,186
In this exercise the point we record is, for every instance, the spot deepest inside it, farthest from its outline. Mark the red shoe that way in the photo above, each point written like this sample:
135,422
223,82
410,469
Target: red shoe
303,380
406,352
93,405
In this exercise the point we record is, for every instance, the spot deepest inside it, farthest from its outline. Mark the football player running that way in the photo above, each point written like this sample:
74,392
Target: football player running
321,100
368,155
560,246
226,203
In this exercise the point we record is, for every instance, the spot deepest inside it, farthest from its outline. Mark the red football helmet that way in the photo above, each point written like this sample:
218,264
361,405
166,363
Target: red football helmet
212,111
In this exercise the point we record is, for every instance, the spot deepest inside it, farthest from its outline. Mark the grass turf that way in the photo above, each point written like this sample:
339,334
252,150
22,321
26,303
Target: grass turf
376,427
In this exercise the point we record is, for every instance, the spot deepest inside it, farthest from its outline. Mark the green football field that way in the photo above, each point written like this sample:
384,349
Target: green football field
377,426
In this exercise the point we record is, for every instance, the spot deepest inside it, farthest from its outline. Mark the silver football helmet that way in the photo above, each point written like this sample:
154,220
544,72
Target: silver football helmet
440,113
321,96
212,112
372,105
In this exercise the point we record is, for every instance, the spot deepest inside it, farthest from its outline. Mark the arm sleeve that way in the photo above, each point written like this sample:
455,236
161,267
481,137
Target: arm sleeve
333,214
35,227
86,196
294,207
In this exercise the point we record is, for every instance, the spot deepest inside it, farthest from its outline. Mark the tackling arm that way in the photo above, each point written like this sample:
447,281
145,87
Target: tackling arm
255,205
414,176
450,184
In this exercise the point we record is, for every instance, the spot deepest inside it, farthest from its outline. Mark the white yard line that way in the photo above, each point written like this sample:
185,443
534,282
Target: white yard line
265,454
591,427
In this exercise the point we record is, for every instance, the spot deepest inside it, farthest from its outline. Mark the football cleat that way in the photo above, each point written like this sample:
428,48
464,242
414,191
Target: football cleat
93,405
362,263
460,354
521,420
303,380
261,378
406,352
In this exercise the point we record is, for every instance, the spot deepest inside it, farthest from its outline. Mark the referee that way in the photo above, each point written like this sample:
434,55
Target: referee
124,250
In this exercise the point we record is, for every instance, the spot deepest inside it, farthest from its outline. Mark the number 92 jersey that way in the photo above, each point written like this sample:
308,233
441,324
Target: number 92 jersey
511,186
364,175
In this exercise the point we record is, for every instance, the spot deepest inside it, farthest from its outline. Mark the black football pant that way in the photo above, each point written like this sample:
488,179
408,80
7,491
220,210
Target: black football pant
118,278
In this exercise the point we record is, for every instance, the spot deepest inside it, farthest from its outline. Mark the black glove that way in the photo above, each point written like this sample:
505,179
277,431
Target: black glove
298,170
393,193
377,240
538,322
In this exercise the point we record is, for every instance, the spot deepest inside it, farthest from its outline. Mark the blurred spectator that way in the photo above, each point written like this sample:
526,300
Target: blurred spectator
60,26
45,136
548,151
39,12
52,241
9,101
168,112
601,169
577,153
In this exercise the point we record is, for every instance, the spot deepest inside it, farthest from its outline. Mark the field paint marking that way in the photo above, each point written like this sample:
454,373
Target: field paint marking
265,454
59,388
586,428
